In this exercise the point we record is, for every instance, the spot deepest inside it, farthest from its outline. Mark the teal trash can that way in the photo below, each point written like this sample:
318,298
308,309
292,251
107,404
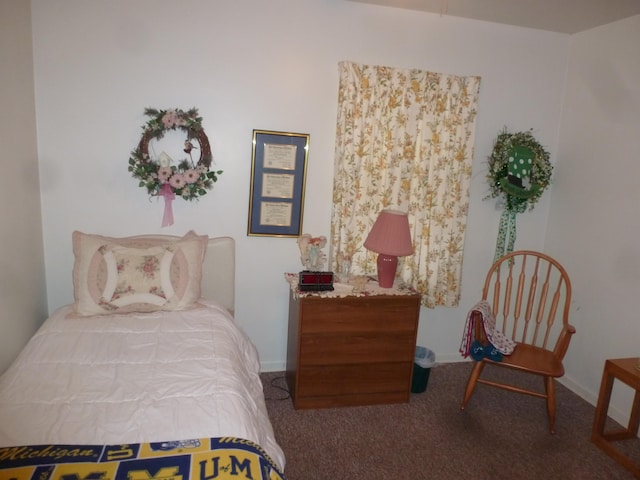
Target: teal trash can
423,361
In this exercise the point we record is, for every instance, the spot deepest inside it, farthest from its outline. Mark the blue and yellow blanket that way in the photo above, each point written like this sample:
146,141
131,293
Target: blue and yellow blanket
200,459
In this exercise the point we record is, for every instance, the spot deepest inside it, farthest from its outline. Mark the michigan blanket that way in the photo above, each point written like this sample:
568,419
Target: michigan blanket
197,459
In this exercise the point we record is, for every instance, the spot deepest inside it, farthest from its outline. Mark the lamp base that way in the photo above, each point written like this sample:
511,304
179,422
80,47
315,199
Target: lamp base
387,265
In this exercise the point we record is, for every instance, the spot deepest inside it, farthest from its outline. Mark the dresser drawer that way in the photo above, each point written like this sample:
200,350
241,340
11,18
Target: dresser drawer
359,314
332,349
345,380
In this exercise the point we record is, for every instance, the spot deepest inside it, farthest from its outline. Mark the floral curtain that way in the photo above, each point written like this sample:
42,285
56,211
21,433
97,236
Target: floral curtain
405,141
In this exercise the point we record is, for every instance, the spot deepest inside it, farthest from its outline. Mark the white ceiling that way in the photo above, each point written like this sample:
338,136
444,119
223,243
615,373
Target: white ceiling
564,16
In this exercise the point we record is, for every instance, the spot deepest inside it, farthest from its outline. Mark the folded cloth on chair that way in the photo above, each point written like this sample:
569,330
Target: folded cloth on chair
503,344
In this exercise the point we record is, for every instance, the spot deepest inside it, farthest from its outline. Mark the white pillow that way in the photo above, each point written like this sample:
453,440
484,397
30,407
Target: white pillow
133,274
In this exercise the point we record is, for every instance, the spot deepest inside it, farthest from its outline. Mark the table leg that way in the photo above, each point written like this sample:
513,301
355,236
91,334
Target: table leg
634,419
602,409
604,440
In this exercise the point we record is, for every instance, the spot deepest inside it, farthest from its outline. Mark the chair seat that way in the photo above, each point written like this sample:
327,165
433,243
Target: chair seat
532,359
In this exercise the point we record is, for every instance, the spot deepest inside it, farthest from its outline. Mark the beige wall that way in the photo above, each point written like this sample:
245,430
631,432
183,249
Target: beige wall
273,65
594,220
22,282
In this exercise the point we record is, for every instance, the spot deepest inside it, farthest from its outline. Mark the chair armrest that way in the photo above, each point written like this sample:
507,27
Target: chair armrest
563,341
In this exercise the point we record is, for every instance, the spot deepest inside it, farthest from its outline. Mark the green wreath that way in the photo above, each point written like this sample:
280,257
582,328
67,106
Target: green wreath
517,158
188,179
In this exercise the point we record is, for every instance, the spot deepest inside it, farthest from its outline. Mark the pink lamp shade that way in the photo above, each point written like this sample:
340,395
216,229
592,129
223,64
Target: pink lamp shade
390,237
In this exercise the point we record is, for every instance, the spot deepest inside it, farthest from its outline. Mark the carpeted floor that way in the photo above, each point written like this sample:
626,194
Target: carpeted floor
501,435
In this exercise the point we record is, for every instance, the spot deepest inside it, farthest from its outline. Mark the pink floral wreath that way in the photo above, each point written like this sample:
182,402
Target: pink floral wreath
188,179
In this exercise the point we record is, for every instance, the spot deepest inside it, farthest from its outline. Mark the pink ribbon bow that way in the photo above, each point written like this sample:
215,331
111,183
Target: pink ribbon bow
167,192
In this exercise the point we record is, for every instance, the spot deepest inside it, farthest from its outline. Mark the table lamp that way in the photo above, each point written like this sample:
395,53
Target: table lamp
390,237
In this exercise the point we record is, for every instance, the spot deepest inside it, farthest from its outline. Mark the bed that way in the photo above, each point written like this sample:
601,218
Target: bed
164,375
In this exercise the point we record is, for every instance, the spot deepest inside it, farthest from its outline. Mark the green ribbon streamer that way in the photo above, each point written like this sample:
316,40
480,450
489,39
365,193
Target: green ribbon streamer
506,230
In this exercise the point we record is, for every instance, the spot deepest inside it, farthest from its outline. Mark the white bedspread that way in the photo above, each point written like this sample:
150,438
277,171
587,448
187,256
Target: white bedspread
136,378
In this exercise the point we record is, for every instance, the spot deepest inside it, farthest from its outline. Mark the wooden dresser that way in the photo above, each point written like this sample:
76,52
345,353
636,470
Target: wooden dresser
351,350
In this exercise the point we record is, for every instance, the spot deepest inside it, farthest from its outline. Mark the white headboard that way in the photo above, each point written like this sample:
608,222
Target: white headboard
218,270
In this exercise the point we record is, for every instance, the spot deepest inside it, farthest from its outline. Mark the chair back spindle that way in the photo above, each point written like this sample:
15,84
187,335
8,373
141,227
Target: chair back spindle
530,293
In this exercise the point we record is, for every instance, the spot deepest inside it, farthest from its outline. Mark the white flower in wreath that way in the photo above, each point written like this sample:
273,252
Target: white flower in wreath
164,160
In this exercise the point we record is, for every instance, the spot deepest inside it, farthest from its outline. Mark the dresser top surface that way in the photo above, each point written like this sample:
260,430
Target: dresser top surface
368,289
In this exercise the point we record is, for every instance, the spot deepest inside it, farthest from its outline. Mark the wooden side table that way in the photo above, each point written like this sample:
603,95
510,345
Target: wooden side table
625,370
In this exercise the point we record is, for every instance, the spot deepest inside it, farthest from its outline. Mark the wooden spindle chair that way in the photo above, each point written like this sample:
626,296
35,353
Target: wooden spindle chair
530,296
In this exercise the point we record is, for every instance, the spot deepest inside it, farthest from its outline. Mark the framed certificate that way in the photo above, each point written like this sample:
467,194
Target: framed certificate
278,176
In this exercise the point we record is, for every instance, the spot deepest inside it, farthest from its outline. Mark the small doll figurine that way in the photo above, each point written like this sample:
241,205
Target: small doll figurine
311,254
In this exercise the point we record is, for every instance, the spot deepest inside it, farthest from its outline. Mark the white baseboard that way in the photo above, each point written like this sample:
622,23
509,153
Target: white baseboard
267,367
615,413
452,358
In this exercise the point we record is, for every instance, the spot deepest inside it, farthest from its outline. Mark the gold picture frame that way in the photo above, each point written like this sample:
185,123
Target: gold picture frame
278,177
